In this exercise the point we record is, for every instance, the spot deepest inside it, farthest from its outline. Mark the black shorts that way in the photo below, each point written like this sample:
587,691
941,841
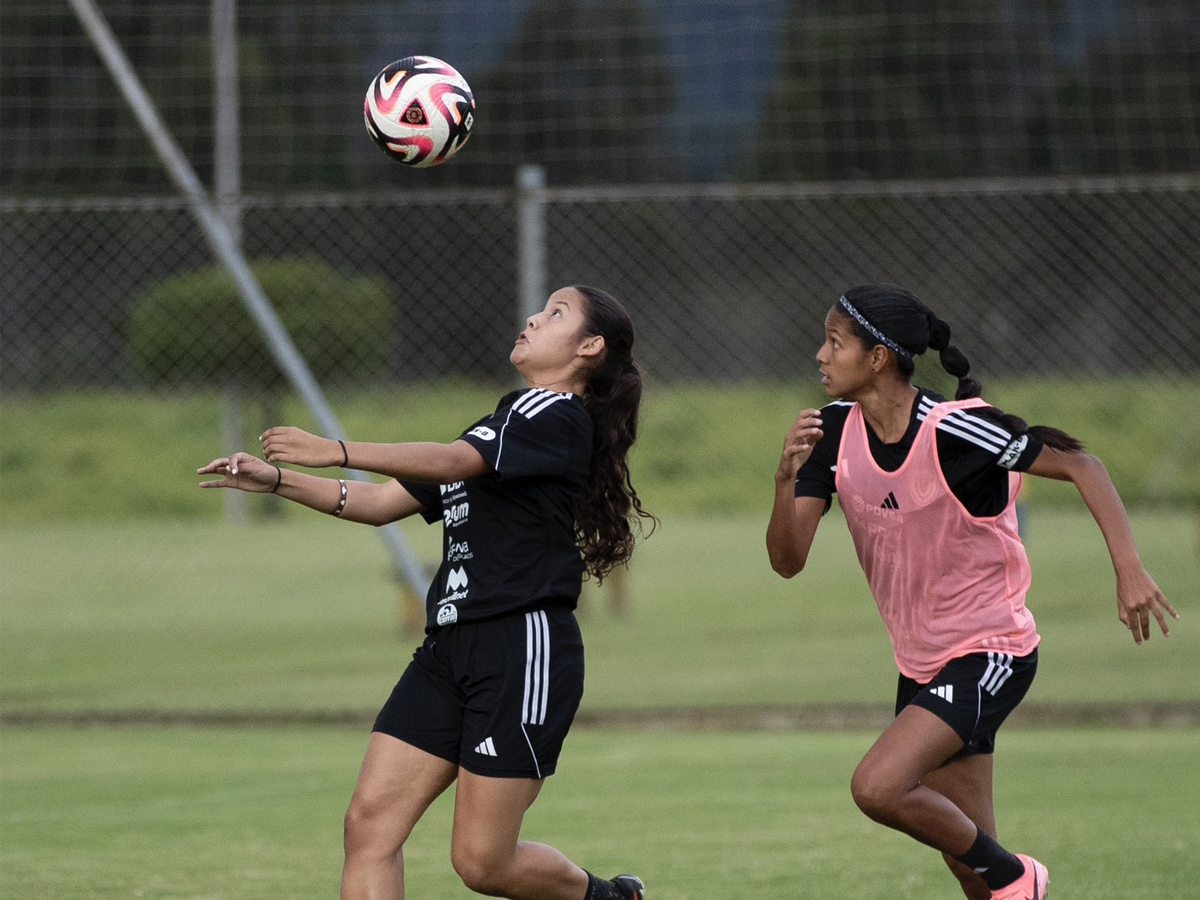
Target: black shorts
496,697
973,694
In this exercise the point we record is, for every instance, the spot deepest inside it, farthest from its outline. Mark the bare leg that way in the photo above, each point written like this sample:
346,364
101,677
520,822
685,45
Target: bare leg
487,851
396,784
967,783
888,783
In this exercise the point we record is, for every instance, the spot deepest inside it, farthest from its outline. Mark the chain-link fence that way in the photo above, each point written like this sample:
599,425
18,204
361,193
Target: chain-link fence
727,282
682,142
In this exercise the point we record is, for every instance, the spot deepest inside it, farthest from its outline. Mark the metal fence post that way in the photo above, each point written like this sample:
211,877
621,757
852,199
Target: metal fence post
227,188
531,242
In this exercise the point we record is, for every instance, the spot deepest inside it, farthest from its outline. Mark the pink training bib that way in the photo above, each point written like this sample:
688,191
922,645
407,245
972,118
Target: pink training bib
946,583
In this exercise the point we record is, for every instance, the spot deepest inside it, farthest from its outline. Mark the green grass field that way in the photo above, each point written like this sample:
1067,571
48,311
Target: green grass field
122,594
113,456
303,615
246,814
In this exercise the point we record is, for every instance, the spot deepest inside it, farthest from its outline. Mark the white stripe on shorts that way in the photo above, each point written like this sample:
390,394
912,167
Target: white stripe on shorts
998,670
537,669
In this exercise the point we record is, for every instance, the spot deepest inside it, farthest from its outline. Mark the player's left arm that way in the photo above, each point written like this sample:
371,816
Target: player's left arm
426,462
1138,597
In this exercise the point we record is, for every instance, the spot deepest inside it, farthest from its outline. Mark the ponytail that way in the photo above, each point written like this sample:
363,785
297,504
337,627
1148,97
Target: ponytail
610,513
1054,438
893,316
952,359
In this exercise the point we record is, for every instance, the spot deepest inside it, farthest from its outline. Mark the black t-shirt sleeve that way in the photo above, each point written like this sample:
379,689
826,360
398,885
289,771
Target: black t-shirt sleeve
976,452
538,435
978,439
429,496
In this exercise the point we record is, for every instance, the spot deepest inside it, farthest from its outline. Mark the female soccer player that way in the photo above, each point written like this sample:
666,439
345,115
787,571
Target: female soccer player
529,497
928,490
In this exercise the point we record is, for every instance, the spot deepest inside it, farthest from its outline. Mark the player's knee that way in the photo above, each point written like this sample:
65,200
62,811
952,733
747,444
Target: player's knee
367,829
873,795
479,872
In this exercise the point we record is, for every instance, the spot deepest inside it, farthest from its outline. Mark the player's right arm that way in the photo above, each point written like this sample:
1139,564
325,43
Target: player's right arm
794,520
366,502
423,461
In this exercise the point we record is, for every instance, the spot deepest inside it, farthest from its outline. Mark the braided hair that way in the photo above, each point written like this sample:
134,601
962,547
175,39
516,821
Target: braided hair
895,313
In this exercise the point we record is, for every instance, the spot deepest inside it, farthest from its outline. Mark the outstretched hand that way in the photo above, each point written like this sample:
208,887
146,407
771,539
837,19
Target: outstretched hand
1139,598
242,472
289,444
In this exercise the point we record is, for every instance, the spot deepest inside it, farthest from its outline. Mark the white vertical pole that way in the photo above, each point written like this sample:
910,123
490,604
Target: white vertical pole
227,188
531,242
227,124
282,347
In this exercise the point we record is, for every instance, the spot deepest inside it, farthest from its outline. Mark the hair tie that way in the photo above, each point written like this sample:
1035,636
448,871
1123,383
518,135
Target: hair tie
875,332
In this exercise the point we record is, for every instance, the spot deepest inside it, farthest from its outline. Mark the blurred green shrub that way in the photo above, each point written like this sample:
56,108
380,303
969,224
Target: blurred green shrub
193,328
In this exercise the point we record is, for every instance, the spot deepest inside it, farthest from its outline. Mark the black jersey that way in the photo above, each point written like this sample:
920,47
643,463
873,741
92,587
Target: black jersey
975,454
509,535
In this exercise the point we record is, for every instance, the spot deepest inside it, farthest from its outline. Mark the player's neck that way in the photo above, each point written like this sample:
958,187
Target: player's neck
887,409
561,382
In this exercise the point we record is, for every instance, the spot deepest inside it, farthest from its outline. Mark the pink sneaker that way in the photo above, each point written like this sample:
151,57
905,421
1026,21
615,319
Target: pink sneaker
1030,886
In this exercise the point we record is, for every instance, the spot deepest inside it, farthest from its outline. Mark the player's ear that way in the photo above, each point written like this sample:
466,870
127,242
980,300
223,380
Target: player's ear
878,357
591,346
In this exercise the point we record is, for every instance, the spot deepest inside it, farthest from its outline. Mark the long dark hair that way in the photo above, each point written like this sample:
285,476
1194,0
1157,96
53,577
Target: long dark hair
610,513
899,316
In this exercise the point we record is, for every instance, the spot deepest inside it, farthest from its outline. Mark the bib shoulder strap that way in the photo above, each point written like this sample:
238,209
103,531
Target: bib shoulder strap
941,410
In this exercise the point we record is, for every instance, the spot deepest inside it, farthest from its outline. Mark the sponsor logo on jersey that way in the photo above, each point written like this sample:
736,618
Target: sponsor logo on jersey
862,506
447,614
450,488
457,551
457,578
889,502
456,586
924,490
483,433
456,514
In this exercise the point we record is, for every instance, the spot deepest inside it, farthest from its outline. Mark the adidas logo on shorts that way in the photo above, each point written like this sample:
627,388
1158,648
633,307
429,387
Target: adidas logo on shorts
487,748
945,691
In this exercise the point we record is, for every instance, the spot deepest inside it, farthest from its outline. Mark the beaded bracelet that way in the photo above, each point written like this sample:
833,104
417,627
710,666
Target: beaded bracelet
342,502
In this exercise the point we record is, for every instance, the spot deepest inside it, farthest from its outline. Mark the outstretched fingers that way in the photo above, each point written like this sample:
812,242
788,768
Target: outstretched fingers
1161,607
1141,601
215,466
240,471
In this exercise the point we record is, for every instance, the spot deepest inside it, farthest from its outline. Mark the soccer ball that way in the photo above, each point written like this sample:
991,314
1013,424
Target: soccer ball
419,111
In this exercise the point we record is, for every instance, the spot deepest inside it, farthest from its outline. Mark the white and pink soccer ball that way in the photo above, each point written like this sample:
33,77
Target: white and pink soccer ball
419,111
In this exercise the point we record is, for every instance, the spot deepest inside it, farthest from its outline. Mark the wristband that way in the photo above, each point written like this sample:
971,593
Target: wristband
278,479
345,455
342,501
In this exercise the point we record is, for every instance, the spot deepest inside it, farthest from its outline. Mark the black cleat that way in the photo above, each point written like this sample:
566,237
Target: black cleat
631,886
